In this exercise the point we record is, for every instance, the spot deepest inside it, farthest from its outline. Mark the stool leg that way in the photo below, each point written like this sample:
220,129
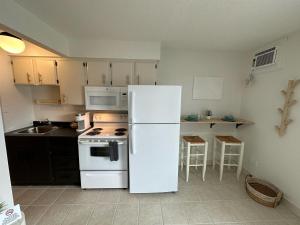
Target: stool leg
204,161
182,155
222,160
230,158
188,162
239,170
214,153
197,157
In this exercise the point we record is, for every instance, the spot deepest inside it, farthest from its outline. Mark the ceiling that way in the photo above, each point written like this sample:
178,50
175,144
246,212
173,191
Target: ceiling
194,24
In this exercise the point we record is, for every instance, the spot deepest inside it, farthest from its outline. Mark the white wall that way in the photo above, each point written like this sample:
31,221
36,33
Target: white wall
179,67
267,155
5,185
114,49
16,101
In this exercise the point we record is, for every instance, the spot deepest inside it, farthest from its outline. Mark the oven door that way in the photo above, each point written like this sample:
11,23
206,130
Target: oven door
95,156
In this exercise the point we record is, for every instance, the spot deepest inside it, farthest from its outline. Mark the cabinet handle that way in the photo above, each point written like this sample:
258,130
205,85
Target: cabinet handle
40,78
138,78
103,79
28,78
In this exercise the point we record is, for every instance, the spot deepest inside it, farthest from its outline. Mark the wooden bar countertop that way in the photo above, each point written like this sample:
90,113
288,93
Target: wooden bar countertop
214,121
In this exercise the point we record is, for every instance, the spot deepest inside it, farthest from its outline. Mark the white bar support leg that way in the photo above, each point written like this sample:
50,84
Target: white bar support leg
222,160
204,161
182,154
214,152
240,166
188,162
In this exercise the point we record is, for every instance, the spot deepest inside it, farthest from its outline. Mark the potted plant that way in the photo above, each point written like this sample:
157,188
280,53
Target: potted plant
208,114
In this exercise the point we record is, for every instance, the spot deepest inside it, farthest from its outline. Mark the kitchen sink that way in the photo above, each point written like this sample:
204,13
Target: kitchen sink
38,130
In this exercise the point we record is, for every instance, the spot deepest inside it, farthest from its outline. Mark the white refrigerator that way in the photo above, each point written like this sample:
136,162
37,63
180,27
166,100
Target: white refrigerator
154,131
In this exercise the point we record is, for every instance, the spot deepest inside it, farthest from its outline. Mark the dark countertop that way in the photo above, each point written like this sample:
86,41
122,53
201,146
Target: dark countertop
63,130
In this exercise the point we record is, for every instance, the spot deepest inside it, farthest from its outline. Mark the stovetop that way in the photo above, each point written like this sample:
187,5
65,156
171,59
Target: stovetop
100,131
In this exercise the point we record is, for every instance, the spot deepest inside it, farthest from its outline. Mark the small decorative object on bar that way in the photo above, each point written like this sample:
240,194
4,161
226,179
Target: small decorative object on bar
229,118
263,192
285,111
208,114
192,117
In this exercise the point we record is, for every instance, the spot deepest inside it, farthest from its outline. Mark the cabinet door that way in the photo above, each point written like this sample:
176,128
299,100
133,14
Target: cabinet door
46,72
23,71
98,73
121,73
71,80
145,73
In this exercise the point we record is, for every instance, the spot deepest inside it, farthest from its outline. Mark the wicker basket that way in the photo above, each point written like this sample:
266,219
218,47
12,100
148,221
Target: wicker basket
263,192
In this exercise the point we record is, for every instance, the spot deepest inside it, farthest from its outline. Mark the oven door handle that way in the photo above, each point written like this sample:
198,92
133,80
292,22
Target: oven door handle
98,143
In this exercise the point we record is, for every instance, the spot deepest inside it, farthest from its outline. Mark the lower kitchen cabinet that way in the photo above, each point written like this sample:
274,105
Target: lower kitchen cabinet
35,160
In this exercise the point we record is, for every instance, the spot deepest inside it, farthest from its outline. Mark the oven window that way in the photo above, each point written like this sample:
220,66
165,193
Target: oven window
100,151
103,100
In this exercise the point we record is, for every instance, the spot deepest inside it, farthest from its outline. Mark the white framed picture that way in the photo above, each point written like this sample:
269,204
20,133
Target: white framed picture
208,88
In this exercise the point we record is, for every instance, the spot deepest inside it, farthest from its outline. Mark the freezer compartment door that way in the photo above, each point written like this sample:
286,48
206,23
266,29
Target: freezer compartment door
154,104
153,158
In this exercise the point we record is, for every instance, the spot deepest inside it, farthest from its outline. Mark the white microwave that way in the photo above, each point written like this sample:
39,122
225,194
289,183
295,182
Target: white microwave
106,98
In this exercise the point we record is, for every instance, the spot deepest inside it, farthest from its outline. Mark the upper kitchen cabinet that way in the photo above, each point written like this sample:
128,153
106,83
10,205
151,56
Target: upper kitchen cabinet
97,73
46,73
121,73
23,71
145,73
71,81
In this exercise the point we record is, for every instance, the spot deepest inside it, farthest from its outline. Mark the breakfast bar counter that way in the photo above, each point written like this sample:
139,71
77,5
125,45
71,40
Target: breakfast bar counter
213,121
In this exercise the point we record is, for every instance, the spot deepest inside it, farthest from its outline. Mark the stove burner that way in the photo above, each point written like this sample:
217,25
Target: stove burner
121,129
97,129
93,133
119,133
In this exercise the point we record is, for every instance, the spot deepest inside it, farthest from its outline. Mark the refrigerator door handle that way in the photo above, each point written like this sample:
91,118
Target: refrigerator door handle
132,144
132,106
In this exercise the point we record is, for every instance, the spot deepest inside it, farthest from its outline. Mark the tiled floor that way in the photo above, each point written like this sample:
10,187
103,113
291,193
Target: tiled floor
197,202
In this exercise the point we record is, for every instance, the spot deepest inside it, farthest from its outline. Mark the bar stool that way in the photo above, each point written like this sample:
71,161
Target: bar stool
228,141
187,143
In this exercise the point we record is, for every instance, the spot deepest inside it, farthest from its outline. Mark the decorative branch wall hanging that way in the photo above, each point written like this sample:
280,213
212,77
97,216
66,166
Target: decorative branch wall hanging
285,111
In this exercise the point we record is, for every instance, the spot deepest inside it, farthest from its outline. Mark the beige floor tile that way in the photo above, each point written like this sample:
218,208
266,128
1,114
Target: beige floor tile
149,198
150,214
78,215
221,211
18,191
190,193
48,197
102,214
109,196
29,196
196,213
285,212
126,197
78,196
55,215
126,214
174,213
34,213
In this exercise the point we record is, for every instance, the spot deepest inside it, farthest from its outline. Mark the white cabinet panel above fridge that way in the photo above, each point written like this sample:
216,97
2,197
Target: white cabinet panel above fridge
154,104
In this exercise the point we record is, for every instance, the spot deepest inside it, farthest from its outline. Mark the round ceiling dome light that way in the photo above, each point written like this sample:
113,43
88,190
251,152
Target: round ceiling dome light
11,43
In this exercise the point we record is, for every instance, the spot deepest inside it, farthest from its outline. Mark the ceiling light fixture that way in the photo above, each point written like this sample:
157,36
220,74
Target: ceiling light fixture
11,43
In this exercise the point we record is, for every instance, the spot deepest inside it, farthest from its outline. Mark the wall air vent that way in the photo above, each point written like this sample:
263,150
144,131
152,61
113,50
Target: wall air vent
264,58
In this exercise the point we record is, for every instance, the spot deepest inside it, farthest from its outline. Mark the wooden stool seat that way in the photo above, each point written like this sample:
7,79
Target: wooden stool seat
229,139
193,139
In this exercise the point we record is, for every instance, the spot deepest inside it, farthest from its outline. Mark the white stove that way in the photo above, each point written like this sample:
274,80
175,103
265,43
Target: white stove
103,152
